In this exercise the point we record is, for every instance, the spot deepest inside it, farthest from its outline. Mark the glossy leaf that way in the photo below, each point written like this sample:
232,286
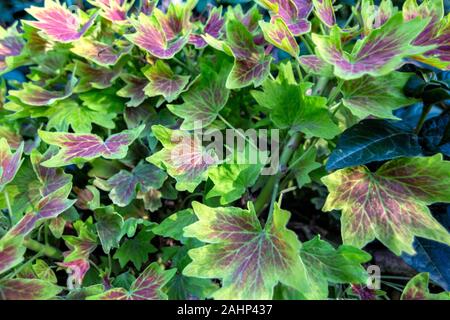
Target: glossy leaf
373,140
136,250
391,203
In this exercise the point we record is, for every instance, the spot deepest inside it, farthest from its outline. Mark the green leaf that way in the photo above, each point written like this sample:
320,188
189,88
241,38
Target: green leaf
172,226
231,180
136,250
391,203
109,227
326,264
250,260
204,99
303,162
376,96
44,272
80,118
290,107
417,289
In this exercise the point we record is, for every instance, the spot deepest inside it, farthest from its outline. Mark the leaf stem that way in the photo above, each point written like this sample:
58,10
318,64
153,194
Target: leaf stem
423,117
237,131
270,190
297,67
28,262
8,204
46,250
307,45
336,90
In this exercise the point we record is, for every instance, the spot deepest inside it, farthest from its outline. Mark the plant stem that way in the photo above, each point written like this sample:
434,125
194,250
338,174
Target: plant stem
307,45
8,204
423,117
46,250
237,131
336,90
273,182
297,67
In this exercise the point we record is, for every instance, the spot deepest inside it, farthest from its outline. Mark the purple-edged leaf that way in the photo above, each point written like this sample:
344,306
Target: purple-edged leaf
9,162
48,207
381,52
325,12
101,53
34,95
206,96
213,27
78,148
109,227
11,253
163,81
57,22
374,16
27,289
11,45
377,96
134,89
76,260
113,10
436,33
277,33
293,12
94,77
313,64
251,64
391,203
417,289
51,179
150,36
183,156
249,259
148,286
123,184
77,269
